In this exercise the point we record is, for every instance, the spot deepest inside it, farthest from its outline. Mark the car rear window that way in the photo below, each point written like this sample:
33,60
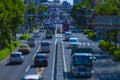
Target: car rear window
15,55
44,44
40,56
23,46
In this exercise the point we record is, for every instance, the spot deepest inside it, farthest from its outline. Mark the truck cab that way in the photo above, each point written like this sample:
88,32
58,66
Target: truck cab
49,34
82,64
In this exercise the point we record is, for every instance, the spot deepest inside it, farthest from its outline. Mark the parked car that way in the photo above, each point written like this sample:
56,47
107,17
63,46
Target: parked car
41,60
31,42
24,48
73,42
68,35
45,46
16,57
32,77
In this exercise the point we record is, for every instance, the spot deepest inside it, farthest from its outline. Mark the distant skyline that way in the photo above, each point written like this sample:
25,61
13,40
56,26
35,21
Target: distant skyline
70,1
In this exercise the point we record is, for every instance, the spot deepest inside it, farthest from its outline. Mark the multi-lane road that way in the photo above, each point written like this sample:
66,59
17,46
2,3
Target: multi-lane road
59,62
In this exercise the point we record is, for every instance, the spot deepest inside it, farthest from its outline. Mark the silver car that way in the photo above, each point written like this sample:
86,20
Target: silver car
45,46
16,57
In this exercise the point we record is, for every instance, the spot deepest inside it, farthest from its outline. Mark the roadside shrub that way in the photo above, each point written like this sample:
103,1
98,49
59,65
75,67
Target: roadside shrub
4,53
92,35
104,45
86,31
15,43
30,31
24,36
111,50
11,47
116,55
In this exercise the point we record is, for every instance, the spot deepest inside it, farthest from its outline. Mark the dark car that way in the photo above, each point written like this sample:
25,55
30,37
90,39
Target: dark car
31,42
41,60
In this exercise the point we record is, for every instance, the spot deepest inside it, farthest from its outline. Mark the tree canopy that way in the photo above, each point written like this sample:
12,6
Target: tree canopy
11,15
108,7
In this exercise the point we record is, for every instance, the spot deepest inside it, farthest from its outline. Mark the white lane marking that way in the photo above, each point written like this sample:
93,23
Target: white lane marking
80,35
52,78
88,44
36,52
35,41
65,68
28,67
79,43
84,44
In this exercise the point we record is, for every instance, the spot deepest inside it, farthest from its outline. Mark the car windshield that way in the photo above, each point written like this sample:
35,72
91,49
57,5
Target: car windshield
73,40
40,57
44,44
68,34
23,46
82,60
15,55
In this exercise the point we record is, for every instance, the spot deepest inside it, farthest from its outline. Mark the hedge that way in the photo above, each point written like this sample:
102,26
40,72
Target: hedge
92,35
116,55
6,51
86,31
111,48
24,36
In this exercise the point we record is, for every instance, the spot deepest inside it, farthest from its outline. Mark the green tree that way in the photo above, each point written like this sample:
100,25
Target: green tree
11,15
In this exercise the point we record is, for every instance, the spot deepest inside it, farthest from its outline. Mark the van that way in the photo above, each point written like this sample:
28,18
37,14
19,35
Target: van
45,46
73,42
68,35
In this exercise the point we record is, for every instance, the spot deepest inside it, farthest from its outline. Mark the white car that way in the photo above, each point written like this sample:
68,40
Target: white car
36,34
73,42
45,46
68,35
32,77
16,57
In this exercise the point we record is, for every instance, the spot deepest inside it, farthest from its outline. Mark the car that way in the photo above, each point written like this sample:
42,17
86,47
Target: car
49,34
16,57
32,77
41,60
41,30
36,34
24,48
68,35
31,42
45,46
73,42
